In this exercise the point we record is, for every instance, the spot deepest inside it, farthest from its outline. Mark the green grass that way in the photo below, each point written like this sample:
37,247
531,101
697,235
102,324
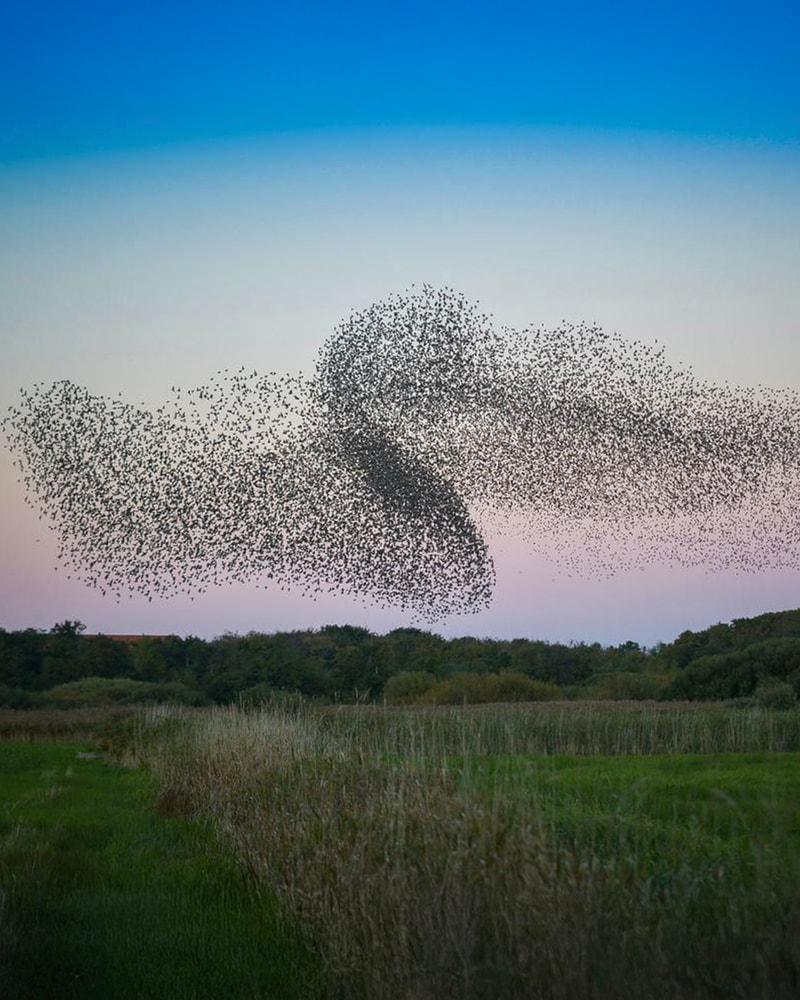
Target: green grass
482,853
727,794
508,853
558,728
721,815
102,898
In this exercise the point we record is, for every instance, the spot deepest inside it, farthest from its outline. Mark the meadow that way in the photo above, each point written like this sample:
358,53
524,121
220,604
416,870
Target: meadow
101,897
554,850
551,851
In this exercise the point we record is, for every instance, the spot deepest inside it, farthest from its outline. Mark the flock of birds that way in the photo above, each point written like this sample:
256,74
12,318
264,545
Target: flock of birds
421,431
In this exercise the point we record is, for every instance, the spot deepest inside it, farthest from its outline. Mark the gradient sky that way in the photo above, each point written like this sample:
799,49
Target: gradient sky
185,188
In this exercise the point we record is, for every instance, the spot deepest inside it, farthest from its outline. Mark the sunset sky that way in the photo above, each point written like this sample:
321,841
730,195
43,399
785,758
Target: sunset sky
185,188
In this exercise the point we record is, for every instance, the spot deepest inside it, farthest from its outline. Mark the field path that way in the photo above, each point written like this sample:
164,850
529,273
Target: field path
100,897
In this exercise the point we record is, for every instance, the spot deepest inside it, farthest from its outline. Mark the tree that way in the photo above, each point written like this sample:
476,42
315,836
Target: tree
61,660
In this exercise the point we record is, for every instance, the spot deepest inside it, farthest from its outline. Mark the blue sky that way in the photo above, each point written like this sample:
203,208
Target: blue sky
185,188
86,77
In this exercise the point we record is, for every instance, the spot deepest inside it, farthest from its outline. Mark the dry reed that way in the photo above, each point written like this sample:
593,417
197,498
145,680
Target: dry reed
411,883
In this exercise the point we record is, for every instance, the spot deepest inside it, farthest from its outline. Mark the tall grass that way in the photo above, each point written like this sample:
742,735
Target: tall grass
584,727
49,725
418,867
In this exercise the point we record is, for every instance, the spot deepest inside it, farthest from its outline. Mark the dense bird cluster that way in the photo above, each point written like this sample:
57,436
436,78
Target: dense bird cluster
422,429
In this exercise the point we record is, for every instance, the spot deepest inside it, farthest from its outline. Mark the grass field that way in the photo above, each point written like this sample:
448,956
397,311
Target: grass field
494,852
548,851
101,898
54,725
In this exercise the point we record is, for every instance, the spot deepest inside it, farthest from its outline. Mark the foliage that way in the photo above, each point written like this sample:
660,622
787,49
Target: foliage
16,698
738,634
409,687
119,691
772,693
346,663
426,852
624,685
417,687
737,673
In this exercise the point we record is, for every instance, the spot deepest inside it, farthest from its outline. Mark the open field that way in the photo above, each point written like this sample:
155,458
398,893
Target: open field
544,851
101,898
558,850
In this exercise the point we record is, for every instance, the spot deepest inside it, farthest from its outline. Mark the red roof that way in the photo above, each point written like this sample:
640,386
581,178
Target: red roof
121,637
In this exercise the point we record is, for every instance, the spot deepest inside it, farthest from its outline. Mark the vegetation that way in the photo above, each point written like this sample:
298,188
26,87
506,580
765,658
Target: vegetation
624,824
102,898
43,725
406,666
550,851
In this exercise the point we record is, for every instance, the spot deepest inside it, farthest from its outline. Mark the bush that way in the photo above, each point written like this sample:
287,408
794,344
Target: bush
774,693
119,691
467,688
622,685
409,687
738,673
277,700
17,698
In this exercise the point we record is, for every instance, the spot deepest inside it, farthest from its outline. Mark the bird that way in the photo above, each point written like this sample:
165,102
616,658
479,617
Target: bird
421,431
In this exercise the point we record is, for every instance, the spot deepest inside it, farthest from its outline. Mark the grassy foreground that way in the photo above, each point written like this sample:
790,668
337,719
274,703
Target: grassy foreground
101,898
546,852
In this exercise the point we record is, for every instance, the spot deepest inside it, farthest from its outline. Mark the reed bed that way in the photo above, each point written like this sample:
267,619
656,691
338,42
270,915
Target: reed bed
413,876
51,725
585,727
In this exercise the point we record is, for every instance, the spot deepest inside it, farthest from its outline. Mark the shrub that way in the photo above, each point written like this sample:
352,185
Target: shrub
265,696
736,674
17,698
119,691
774,693
409,687
476,689
622,685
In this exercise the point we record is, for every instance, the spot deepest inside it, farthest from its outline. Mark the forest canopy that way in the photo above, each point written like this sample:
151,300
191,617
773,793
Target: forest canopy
746,658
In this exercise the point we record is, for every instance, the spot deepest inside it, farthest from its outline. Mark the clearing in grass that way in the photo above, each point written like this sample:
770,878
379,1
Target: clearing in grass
102,898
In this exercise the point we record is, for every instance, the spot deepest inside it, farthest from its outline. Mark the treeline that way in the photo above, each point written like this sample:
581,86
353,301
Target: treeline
755,657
